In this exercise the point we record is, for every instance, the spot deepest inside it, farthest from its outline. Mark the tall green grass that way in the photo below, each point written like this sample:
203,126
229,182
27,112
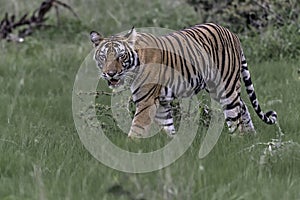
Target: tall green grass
43,158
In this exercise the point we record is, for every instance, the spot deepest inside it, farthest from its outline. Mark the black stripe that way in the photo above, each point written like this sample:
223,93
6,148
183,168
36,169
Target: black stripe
247,82
164,117
215,41
234,103
141,83
173,51
181,53
233,119
170,124
138,126
190,49
140,111
148,94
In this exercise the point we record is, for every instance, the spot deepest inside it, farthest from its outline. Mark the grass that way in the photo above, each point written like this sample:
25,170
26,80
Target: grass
43,158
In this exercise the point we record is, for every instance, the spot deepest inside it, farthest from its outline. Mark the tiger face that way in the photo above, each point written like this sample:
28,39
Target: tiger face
115,56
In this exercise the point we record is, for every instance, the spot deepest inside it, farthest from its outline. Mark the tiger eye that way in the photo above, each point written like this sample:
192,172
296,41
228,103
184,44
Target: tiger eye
123,55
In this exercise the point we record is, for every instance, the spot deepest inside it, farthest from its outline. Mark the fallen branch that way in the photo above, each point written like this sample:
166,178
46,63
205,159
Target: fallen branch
26,24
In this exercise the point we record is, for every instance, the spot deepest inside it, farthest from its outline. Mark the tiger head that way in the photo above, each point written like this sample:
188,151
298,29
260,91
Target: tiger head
115,56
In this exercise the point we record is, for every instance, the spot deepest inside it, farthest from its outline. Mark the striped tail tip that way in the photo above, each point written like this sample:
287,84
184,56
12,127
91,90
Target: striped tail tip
272,117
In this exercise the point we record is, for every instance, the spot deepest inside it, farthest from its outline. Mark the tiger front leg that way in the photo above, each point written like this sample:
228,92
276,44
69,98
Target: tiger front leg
164,118
143,118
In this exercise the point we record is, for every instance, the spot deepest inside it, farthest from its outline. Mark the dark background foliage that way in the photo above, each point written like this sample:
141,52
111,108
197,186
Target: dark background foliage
273,26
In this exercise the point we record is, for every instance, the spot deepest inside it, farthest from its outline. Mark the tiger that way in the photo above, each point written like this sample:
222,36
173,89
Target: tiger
178,65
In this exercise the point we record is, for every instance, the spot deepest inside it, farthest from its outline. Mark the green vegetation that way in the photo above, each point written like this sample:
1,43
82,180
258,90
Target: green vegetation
43,158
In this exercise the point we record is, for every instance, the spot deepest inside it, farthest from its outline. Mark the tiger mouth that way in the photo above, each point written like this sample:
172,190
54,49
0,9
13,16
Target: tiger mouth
114,82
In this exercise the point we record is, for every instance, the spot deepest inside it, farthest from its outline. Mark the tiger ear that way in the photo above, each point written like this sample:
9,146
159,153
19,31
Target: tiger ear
96,38
131,37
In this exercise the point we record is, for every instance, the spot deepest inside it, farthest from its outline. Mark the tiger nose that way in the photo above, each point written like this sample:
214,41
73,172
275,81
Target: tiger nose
111,73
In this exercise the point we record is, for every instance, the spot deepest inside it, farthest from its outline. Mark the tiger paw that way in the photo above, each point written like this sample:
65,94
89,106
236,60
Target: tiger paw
245,129
137,131
133,135
170,131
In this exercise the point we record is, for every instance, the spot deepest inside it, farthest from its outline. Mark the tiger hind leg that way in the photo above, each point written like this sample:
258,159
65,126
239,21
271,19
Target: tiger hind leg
238,117
164,118
232,118
247,125
232,111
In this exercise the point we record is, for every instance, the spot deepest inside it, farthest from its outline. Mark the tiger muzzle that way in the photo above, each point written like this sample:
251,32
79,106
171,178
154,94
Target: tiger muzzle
113,79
